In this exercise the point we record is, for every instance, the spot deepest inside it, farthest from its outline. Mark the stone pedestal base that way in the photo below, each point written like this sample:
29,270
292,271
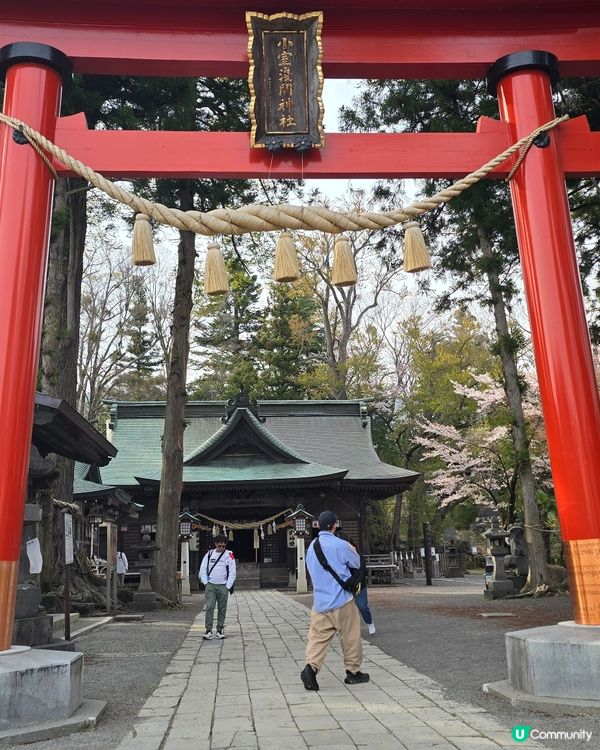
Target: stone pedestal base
498,589
37,686
553,667
32,631
143,600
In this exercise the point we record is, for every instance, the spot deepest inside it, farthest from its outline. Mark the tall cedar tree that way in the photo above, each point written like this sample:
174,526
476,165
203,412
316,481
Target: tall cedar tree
289,344
135,103
227,326
207,104
476,242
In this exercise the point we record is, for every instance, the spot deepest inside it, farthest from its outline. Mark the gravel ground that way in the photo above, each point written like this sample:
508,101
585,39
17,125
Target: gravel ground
124,662
439,631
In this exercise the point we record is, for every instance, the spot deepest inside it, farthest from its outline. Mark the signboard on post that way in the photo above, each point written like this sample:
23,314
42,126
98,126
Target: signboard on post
285,80
68,538
68,560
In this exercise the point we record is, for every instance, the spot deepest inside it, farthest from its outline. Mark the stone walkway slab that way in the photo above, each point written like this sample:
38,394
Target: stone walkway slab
245,692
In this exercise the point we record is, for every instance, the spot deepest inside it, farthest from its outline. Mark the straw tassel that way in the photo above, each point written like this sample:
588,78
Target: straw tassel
215,272
343,270
230,535
286,260
142,245
416,255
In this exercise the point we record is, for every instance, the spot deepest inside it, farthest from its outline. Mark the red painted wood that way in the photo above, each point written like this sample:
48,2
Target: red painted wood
32,93
346,155
201,39
568,388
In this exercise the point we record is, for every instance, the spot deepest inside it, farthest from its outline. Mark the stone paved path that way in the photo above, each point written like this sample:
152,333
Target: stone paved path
245,692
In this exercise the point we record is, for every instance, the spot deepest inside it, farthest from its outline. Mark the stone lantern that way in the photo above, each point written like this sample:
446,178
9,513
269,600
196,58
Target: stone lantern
499,585
185,532
144,598
302,520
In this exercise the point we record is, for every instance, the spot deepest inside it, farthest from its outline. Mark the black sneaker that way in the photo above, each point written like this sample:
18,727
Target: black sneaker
309,678
356,678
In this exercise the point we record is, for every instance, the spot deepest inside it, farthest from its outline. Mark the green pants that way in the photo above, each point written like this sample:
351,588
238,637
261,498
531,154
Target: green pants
216,593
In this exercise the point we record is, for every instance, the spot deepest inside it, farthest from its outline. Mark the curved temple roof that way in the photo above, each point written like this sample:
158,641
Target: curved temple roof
301,443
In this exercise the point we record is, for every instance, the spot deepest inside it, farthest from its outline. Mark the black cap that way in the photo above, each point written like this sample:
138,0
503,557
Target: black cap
19,52
327,519
537,59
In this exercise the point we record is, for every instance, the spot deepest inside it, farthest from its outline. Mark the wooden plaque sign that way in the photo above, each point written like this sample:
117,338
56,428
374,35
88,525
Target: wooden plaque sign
286,81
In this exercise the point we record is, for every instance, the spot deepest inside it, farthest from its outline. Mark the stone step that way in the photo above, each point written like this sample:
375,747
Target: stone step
247,584
58,620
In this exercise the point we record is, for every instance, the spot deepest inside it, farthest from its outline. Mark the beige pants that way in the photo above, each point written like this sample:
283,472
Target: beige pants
324,625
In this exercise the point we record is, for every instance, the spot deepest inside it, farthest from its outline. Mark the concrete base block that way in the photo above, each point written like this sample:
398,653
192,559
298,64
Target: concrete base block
38,686
549,706
85,717
557,661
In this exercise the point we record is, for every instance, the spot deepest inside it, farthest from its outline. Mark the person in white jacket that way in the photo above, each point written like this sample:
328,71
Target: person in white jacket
217,573
122,567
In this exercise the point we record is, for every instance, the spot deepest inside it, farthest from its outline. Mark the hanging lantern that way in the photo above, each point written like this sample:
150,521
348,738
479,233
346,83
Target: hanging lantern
216,280
343,269
286,260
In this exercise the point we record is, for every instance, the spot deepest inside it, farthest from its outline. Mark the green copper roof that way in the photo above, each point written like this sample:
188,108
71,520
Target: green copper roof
242,419
250,471
332,439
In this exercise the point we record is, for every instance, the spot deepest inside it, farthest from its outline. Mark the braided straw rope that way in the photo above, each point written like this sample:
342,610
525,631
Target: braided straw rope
259,218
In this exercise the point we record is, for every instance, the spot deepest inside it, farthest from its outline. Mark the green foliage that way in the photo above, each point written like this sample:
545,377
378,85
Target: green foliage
379,523
464,515
224,347
289,343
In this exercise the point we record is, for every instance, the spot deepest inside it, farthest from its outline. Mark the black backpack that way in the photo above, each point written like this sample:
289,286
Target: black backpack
352,584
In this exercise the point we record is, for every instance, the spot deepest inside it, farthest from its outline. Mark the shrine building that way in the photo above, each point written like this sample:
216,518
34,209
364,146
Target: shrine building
250,464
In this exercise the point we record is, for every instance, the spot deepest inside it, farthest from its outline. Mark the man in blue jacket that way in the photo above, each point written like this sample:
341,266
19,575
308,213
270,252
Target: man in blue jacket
334,610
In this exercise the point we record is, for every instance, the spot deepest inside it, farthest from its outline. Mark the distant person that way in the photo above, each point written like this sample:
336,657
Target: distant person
122,567
362,601
217,573
334,610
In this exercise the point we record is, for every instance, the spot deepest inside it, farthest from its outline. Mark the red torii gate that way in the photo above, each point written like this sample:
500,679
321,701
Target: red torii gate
392,39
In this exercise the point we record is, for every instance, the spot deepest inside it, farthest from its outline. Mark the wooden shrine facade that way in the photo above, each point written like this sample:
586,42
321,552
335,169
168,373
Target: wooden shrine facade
246,470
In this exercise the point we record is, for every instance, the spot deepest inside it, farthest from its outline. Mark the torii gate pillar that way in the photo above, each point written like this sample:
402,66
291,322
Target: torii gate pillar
555,665
568,389
33,86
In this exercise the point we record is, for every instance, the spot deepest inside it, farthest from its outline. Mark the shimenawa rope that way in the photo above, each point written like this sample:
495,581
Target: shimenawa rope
262,218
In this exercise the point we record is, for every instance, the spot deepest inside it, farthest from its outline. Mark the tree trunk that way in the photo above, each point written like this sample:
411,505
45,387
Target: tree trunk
365,541
395,535
533,527
171,480
60,343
